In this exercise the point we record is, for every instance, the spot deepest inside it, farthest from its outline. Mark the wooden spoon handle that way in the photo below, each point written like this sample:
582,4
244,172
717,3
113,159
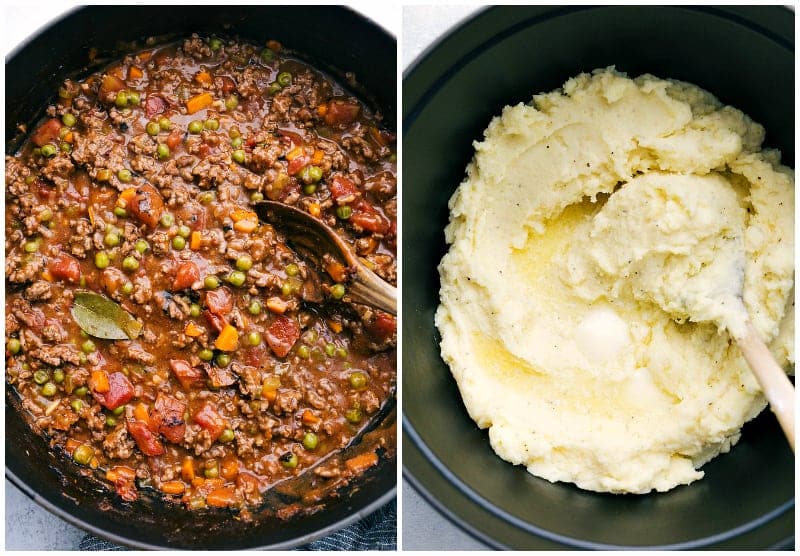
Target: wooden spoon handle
772,378
369,289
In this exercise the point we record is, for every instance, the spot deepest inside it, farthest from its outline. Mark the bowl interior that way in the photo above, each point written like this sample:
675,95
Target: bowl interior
333,39
503,56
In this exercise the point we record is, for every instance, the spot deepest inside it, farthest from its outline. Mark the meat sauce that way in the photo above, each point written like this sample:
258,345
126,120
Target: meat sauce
242,365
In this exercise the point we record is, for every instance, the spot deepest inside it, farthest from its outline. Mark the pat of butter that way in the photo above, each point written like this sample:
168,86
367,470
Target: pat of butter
601,335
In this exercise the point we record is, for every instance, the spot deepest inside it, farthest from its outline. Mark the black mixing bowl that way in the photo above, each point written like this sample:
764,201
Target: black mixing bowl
502,56
331,38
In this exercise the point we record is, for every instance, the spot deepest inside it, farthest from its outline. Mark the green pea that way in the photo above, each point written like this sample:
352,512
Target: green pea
46,215
344,212
211,282
88,346
287,289
127,288
315,173
254,308
267,55
40,377
358,380
254,338
13,345
141,246
122,99
226,436
118,411
206,197
58,376
292,269
124,175
49,150
223,359
65,147
256,197
234,132
111,239
49,389
274,87
303,352
194,310
231,102
238,156
134,98
195,126
101,260
353,415
337,291
236,278
309,189
164,123
330,349
284,78
184,231
211,124
205,354
178,243
76,405
120,212
68,119
236,142
341,352
31,246
80,391
152,128
63,132
214,43
289,460
83,454
310,441
111,421
167,220
244,263
162,150
130,264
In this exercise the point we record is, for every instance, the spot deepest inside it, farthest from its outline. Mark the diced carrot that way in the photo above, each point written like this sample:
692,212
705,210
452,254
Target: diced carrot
69,137
221,497
229,468
337,271
246,226
127,195
314,210
277,305
117,72
135,73
98,382
362,462
195,242
244,220
141,413
204,78
294,153
192,330
317,157
47,276
173,487
94,462
309,418
70,446
199,102
242,214
197,482
120,472
322,109
144,56
187,469
336,326
228,339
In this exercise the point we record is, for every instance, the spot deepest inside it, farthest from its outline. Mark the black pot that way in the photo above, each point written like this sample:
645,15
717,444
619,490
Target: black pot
503,56
333,39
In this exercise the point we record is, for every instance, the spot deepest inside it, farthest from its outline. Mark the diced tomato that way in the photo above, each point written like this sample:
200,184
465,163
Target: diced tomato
220,377
341,112
187,274
185,373
44,190
126,489
120,391
216,321
383,327
154,105
147,205
65,267
255,356
228,85
342,187
46,132
148,443
219,301
208,418
110,84
297,164
368,218
174,139
282,335
167,418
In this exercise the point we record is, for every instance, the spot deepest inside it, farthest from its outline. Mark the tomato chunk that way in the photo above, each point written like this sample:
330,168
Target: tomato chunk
47,132
228,85
167,418
341,112
383,327
208,418
367,217
65,267
147,205
219,301
297,164
120,391
147,442
174,139
342,187
282,335
184,372
187,274
154,105
217,322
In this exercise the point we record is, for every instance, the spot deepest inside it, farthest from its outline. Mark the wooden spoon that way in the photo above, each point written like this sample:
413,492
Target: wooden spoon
313,235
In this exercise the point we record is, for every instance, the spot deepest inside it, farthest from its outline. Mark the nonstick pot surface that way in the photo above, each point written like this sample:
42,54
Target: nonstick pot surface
503,56
333,39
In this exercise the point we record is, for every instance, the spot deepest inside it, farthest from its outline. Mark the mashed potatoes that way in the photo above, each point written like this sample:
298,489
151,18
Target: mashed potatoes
579,332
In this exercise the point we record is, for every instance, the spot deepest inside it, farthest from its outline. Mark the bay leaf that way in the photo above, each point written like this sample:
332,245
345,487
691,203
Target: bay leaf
101,317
